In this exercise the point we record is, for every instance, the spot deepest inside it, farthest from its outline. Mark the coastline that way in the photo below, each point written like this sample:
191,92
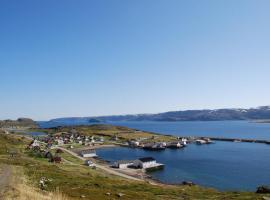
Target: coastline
145,176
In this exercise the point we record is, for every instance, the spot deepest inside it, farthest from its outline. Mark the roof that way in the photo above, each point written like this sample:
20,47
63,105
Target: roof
88,151
124,161
147,159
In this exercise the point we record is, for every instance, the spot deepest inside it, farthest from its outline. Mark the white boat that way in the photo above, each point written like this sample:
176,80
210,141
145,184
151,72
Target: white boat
201,142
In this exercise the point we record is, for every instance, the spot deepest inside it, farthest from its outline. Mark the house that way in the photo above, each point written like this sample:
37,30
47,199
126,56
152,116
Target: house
145,163
184,141
93,139
101,139
90,153
35,143
114,138
60,141
123,164
134,143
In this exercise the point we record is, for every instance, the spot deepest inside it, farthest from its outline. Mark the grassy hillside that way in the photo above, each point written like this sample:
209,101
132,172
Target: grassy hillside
123,133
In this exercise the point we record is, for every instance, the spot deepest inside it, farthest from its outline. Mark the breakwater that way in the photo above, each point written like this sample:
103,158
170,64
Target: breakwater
237,140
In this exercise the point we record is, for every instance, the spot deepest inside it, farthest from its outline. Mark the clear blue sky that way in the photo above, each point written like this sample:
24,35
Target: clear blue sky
101,57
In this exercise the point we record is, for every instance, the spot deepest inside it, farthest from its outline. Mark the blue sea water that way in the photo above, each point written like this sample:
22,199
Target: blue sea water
223,165
227,129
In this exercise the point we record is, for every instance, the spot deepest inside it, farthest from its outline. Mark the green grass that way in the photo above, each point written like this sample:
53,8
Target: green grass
108,131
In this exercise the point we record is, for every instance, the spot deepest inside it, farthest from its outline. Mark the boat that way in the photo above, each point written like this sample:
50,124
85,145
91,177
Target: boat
200,142
154,147
175,145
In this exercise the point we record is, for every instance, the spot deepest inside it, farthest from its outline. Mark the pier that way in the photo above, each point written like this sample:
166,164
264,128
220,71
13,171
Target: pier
236,140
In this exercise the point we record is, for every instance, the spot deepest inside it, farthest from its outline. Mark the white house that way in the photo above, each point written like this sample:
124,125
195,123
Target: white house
164,144
93,139
35,143
134,143
60,141
88,153
144,163
101,139
123,164
184,141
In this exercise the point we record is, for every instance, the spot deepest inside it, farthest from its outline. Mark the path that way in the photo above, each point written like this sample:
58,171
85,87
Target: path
110,171
5,174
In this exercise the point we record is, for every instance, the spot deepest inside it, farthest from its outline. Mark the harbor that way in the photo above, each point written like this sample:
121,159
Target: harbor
223,165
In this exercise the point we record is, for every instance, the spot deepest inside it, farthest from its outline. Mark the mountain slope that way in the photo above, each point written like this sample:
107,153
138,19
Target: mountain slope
187,115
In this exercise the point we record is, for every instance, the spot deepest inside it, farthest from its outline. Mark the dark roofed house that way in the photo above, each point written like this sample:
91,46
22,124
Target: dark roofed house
147,159
146,162
123,164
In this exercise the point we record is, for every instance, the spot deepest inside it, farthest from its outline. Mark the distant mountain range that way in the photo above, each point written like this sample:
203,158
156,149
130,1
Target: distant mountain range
260,113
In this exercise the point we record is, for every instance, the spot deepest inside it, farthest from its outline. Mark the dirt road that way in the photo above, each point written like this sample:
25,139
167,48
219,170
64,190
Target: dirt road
5,173
110,171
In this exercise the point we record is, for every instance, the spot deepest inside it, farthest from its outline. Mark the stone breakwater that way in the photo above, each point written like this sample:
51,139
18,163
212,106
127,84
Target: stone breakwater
238,140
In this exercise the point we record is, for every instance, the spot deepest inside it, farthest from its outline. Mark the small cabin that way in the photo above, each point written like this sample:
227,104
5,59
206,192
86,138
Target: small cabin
134,143
123,164
184,141
88,153
145,163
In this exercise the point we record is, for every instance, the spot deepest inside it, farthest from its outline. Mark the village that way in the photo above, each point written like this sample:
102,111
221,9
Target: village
84,147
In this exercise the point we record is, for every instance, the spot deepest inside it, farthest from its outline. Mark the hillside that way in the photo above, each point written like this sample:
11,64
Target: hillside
260,113
20,122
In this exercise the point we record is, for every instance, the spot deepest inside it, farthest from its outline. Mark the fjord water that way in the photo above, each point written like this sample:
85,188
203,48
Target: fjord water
223,165
226,129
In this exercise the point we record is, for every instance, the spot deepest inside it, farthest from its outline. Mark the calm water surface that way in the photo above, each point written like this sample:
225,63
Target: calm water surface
223,165
228,129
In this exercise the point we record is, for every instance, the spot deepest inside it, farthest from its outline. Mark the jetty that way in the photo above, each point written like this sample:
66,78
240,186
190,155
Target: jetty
237,140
